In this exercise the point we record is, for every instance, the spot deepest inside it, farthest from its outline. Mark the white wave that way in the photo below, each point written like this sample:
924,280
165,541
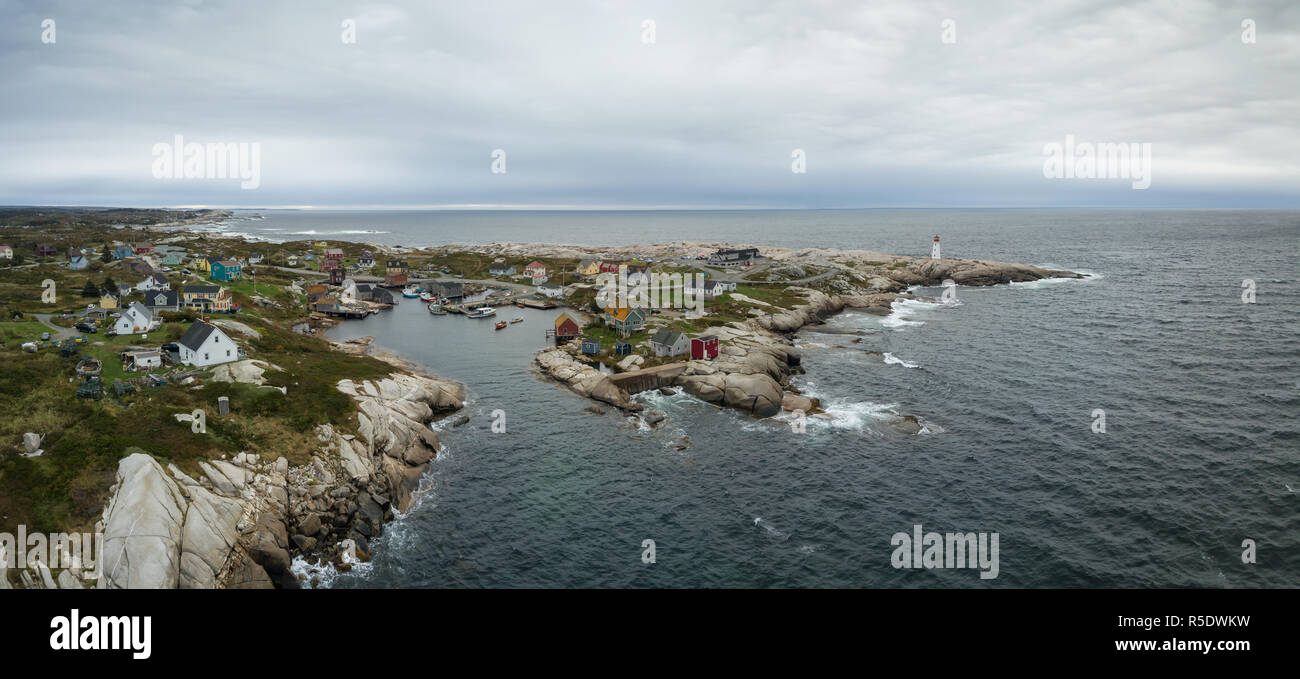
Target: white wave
894,360
901,309
1088,277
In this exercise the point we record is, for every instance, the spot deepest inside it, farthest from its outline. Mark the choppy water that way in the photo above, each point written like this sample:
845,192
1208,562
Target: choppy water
1202,448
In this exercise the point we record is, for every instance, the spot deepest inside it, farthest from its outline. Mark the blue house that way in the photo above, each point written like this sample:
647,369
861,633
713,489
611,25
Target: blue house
123,251
590,346
226,270
78,263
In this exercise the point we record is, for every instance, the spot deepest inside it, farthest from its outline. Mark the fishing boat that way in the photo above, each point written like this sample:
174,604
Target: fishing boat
500,325
428,297
520,305
437,310
89,367
482,312
517,319
411,291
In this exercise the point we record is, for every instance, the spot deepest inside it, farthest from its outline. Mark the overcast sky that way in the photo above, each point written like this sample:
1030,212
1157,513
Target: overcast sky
707,115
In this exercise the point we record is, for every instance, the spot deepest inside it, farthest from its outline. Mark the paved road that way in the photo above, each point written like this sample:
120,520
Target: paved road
57,332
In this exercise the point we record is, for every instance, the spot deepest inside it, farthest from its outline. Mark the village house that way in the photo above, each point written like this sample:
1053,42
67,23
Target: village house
625,320
365,261
331,264
256,258
226,270
733,257
141,359
705,347
588,268
609,267
108,300
203,344
162,300
123,291
668,342
709,289
551,290
396,272
337,276
203,263
566,328
134,320
122,252
291,260
143,248
622,347
590,346
78,263
208,298
537,271
501,270
71,252
172,259
153,282
452,292
335,254
46,250
369,292
6,252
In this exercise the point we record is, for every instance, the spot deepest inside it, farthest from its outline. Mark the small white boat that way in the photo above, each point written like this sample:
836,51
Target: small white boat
428,297
482,312
411,291
517,319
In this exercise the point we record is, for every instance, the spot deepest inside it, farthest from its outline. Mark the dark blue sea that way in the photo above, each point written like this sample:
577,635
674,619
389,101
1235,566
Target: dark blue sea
1200,391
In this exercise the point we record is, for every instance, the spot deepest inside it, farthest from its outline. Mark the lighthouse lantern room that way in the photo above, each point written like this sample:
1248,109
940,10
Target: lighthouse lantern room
934,249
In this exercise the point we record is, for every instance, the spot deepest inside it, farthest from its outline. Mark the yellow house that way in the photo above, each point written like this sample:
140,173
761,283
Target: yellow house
588,267
108,301
201,264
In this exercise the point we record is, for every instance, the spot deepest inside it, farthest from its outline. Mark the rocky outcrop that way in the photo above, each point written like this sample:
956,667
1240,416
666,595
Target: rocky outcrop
239,524
142,527
560,364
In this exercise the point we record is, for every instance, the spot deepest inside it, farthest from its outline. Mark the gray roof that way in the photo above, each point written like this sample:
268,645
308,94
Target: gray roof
202,288
666,336
141,309
196,335
153,295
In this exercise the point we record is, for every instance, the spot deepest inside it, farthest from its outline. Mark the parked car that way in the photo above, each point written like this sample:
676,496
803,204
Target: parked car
45,337
86,327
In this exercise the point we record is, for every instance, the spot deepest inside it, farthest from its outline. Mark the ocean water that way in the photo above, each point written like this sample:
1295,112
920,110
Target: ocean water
1200,393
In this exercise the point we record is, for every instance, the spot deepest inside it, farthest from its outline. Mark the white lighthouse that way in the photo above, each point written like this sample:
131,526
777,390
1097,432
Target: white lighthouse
934,249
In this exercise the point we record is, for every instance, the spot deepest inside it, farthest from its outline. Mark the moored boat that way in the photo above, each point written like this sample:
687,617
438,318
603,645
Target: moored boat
500,325
411,291
482,312
437,310
517,319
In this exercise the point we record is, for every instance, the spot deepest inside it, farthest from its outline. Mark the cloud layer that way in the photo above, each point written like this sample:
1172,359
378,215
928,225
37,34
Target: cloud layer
589,114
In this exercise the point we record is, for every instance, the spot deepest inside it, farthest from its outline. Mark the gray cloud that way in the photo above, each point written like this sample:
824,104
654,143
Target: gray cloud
706,116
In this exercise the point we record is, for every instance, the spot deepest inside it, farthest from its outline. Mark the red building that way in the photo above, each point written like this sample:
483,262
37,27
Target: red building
336,276
334,253
566,328
704,347
329,265
609,267
143,248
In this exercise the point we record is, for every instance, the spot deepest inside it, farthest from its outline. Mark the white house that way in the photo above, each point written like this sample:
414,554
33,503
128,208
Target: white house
551,290
710,289
153,282
537,271
135,319
669,342
204,344
6,252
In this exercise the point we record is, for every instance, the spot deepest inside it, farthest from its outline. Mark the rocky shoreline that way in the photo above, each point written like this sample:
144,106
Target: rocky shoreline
757,357
242,521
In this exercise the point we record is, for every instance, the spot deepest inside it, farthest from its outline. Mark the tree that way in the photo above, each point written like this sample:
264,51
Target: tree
105,255
89,290
110,285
